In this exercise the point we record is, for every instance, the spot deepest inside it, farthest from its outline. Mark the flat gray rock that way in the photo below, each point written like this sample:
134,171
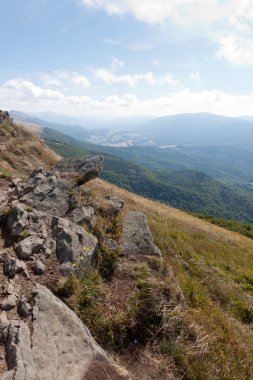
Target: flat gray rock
136,236
63,347
86,168
50,197
57,346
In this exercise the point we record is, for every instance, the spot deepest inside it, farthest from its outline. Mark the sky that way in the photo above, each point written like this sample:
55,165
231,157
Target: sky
118,58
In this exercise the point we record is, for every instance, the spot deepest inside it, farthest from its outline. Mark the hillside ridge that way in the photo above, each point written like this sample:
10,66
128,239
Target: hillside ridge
188,315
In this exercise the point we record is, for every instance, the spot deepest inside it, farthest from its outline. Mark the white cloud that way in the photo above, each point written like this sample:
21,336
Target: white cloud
109,77
23,89
61,77
25,95
242,16
116,64
236,49
79,80
157,11
195,77
235,44
171,81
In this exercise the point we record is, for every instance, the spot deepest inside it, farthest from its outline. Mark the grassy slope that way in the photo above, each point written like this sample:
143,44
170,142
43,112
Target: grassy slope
21,151
232,225
214,269
213,266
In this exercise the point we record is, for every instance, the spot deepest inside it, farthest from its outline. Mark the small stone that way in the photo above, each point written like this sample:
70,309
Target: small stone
13,266
110,244
28,247
10,302
50,247
3,256
10,288
66,269
24,308
16,181
117,202
4,327
83,215
39,268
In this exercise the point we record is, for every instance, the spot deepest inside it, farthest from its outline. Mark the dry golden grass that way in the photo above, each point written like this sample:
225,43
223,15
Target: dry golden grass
21,151
214,268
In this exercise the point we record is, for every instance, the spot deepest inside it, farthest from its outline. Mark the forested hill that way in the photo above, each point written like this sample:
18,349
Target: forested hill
188,190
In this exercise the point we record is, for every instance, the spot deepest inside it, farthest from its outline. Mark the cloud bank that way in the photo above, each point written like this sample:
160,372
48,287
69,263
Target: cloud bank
157,11
23,94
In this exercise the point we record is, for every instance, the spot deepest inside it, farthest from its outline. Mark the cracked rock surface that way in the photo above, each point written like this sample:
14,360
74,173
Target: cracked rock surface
136,236
61,348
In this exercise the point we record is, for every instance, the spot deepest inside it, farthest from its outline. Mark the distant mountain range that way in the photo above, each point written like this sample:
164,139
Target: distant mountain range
200,129
198,162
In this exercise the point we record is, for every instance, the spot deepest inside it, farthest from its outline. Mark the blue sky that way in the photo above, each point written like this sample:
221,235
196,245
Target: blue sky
111,58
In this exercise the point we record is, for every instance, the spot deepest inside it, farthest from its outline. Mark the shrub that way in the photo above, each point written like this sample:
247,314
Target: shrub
5,212
243,311
67,287
106,261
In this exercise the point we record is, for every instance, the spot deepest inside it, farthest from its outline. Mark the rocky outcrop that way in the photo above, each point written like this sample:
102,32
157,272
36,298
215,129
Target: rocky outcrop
86,168
45,192
56,346
53,228
136,236
73,245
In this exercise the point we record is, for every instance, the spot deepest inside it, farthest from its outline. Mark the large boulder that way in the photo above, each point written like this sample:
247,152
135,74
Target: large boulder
74,246
71,349
86,168
136,236
56,346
